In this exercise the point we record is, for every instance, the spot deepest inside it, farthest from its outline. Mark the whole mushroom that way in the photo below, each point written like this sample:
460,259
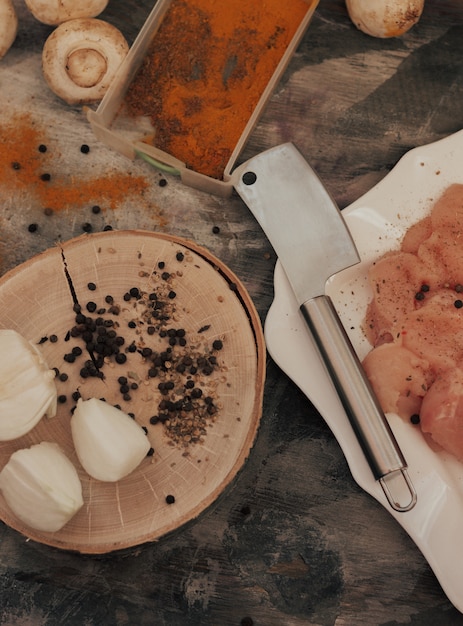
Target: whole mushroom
384,18
55,12
8,26
80,59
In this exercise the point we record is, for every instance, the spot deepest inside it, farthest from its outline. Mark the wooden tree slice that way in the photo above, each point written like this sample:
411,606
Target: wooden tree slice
200,297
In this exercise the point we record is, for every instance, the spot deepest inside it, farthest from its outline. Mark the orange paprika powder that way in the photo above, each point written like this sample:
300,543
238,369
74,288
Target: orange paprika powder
24,167
205,71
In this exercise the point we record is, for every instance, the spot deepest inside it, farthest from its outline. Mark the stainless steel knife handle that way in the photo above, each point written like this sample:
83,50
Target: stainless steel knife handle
359,401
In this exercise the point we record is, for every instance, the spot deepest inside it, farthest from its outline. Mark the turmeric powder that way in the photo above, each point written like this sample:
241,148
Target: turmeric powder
205,71
27,166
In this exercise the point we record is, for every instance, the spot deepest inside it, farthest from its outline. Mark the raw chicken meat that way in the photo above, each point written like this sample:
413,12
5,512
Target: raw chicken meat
415,324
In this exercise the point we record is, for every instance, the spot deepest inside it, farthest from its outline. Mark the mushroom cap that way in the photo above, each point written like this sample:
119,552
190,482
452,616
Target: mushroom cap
55,12
384,18
80,59
8,26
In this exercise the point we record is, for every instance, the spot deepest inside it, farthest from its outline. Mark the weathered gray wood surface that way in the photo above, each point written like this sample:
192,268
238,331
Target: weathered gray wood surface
294,541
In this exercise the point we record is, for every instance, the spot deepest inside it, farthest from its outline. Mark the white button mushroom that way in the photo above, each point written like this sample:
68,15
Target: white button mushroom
8,26
80,59
56,12
384,18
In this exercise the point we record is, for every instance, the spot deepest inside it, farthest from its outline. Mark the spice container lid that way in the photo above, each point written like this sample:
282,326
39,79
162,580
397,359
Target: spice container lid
196,81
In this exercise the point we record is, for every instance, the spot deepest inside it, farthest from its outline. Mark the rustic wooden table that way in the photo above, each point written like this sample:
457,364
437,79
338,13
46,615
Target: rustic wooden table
294,540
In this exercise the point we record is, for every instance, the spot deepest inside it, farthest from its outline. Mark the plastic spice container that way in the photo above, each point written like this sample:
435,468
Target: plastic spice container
195,83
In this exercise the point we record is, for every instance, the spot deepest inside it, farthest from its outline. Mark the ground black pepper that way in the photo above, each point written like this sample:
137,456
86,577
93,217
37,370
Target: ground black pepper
187,404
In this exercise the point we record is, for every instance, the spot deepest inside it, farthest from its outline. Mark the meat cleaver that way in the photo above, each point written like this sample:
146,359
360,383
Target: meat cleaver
312,241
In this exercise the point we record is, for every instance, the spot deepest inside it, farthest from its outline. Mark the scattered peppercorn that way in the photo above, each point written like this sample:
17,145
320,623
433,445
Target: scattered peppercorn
42,148
45,177
458,304
415,418
162,182
419,295
87,227
170,499
216,230
32,228
96,209
15,165
91,286
84,148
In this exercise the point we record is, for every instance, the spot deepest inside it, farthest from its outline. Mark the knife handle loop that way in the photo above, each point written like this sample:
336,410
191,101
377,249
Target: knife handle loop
359,401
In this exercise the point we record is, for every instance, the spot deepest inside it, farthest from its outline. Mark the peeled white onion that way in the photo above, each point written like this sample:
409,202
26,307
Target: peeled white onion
41,486
108,442
27,387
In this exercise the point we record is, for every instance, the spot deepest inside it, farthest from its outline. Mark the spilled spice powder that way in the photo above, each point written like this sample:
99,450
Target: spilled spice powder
206,69
26,164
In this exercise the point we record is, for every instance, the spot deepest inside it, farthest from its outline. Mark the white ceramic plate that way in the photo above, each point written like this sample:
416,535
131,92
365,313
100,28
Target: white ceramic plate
377,222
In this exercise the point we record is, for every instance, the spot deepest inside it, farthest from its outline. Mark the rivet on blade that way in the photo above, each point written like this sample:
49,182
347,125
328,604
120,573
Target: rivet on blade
249,178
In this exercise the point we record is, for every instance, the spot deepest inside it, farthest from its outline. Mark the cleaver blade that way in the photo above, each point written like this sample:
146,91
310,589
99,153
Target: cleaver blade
312,241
